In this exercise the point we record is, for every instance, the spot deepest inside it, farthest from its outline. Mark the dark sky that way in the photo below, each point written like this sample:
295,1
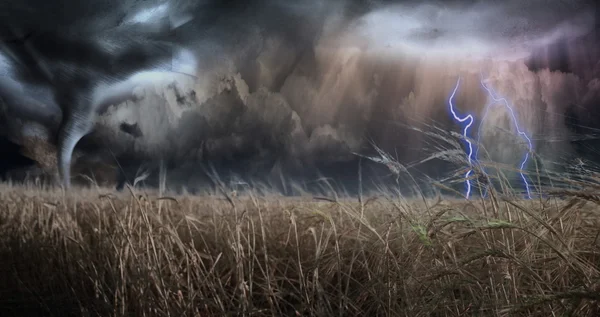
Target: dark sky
298,86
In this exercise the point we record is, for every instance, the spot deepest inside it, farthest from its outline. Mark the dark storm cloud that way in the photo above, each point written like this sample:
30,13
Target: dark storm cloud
69,16
73,49
300,83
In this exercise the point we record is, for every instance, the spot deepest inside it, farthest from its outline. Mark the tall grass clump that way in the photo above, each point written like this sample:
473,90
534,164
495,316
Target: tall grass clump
138,254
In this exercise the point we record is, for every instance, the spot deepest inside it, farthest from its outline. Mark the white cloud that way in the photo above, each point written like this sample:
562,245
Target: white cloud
507,29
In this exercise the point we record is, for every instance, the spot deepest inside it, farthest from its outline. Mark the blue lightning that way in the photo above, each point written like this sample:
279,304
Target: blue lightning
496,99
470,120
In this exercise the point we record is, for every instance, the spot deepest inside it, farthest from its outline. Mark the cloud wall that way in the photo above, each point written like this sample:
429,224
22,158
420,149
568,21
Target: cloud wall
299,86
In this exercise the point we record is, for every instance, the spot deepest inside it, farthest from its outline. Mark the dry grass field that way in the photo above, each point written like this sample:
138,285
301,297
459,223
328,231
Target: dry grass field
88,253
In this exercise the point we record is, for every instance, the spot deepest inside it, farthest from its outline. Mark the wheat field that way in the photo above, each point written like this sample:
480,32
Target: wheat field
93,252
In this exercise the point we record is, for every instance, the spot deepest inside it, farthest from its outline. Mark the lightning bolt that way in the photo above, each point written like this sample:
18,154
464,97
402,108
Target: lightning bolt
510,109
470,120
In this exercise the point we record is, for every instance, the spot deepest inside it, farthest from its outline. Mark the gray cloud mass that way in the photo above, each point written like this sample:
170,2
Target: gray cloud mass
302,84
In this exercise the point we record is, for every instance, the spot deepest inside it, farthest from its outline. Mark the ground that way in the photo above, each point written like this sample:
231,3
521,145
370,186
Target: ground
93,252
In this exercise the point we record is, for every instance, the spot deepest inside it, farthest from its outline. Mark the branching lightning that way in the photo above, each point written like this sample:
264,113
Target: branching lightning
510,109
470,120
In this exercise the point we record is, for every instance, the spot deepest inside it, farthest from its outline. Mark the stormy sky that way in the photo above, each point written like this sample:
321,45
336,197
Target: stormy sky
270,89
